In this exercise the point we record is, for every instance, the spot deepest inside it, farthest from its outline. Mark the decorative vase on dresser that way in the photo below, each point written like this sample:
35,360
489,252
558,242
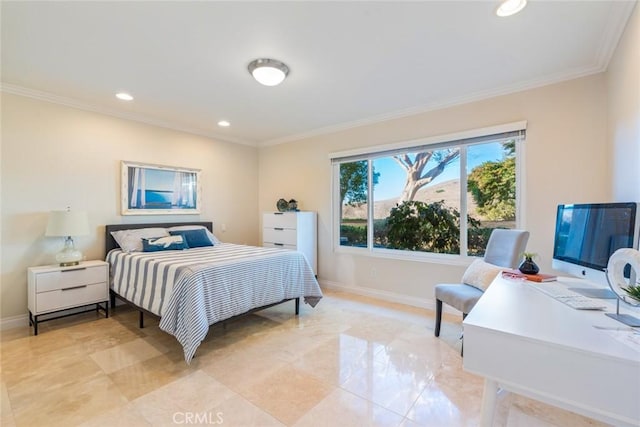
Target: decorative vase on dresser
292,230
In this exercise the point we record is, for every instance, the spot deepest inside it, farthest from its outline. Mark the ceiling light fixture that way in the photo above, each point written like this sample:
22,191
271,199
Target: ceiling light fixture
224,123
510,7
124,96
268,72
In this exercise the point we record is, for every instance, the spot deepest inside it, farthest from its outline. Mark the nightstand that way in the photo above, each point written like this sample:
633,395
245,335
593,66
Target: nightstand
53,289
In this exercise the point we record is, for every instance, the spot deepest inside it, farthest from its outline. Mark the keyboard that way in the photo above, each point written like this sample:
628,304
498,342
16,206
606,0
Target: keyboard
580,302
572,299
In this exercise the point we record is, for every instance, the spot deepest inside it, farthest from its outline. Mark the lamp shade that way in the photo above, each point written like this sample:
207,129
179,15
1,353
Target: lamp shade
67,223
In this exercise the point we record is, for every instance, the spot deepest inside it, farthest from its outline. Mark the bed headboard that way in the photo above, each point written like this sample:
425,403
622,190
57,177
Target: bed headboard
110,243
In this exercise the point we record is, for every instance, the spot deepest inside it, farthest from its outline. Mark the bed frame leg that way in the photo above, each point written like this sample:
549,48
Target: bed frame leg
141,320
112,299
297,306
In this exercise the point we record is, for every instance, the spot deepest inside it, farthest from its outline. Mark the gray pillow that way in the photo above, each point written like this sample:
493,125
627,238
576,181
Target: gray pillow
131,240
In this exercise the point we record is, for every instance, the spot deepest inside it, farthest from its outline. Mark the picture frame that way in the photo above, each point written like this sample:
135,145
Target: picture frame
149,189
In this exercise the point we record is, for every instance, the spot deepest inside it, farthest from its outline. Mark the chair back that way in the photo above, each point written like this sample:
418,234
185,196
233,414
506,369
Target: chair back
505,247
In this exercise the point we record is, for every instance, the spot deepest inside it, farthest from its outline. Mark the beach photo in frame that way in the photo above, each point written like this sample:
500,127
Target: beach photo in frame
149,189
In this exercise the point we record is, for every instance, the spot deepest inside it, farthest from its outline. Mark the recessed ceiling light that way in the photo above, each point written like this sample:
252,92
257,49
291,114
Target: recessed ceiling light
224,123
269,72
124,96
510,7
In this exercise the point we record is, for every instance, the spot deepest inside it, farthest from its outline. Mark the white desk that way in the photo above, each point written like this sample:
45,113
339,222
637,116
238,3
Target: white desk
524,341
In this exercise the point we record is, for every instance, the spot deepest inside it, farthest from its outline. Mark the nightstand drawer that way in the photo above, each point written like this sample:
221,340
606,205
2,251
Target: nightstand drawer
280,220
281,235
67,278
71,296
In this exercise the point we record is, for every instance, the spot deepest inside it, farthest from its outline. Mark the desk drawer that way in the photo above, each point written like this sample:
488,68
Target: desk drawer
67,278
279,235
71,297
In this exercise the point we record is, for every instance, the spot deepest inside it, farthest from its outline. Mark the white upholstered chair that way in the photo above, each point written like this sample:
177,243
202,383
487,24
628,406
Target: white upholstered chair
504,249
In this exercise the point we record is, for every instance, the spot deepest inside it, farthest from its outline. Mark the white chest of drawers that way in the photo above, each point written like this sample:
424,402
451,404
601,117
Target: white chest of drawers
292,230
53,288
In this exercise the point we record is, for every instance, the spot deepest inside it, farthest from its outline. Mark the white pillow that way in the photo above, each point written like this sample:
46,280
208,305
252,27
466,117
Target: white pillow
131,240
480,274
212,237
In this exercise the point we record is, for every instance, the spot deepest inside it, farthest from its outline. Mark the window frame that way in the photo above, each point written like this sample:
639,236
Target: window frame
448,140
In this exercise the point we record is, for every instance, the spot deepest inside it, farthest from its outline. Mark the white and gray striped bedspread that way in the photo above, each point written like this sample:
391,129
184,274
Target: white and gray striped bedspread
198,287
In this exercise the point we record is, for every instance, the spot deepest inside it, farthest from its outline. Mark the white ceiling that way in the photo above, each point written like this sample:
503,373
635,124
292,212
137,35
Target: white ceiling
351,62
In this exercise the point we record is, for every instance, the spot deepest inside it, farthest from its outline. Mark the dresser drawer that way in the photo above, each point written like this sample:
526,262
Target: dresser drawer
279,235
66,278
71,297
278,245
280,220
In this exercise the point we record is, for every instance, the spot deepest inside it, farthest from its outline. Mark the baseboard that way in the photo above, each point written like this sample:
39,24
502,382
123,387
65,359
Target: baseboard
23,319
14,322
429,304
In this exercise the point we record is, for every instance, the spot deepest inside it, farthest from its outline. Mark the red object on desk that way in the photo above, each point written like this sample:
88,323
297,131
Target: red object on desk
540,277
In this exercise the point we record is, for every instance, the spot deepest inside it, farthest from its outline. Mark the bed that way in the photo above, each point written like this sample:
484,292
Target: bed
191,289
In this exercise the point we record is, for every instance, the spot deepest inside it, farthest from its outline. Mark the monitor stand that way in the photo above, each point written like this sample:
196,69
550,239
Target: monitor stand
601,293
628,320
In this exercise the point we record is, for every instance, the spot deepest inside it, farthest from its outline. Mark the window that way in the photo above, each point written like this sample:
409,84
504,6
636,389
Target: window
441,197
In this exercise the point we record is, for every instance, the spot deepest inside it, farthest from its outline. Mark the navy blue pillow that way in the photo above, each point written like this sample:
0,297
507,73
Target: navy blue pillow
168,243
197,238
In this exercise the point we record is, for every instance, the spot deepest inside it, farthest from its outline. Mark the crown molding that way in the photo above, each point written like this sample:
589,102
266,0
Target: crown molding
79,105
616,24
466,99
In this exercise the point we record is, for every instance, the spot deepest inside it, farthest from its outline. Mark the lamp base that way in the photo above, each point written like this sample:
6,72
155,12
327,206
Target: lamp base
628,320
69,255
69,264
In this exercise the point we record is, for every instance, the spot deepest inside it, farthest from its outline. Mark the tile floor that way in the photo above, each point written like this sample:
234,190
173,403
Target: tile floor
351,361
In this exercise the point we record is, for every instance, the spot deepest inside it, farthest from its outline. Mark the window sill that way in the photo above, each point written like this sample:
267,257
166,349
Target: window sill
432,258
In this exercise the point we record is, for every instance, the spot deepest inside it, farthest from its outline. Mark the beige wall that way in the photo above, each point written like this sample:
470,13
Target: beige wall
566,160
623,85
54,156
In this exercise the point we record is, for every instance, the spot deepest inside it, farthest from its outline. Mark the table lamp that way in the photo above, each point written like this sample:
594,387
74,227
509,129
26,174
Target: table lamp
66,224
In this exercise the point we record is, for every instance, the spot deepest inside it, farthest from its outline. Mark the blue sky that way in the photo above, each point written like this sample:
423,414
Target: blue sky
392,176
159,179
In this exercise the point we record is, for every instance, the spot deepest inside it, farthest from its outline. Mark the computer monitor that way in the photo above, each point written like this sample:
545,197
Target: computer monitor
587,234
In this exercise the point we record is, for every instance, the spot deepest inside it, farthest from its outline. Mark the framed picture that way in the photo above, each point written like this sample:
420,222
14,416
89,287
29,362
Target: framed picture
159,190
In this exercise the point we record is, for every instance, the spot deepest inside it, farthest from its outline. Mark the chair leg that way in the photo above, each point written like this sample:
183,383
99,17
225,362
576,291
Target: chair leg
464,316
438,317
